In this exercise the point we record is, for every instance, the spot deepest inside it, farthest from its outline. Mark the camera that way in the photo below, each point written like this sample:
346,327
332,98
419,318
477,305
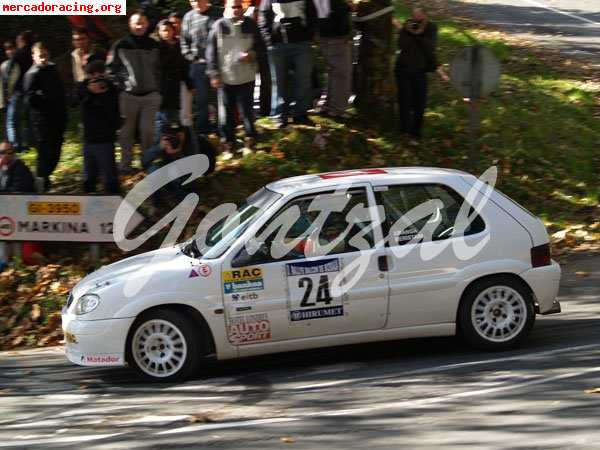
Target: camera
413,25
99,81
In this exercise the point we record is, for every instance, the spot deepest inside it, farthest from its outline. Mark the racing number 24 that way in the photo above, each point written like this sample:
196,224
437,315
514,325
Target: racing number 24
323,295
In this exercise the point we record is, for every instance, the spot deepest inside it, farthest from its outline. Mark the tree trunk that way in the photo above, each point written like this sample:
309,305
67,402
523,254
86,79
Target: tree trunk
375,87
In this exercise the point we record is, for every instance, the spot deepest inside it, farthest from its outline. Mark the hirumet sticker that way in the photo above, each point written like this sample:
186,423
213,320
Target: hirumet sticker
352,173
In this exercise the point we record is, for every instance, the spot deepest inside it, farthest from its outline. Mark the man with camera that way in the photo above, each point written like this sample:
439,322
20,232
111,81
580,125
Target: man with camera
416,56
99,100
175,142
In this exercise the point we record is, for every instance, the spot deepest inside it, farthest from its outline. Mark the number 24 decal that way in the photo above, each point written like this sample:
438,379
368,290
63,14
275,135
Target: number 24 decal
323,295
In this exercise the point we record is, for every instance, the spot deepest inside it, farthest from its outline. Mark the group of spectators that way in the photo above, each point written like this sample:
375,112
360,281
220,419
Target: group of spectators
149,84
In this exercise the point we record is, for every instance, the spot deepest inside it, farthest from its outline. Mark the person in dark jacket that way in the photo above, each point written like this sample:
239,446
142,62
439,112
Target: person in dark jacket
234,48
134,63
174,71
99,100
417,40
287,27
194,34
45,97
15,176
17,124
175,142
335,41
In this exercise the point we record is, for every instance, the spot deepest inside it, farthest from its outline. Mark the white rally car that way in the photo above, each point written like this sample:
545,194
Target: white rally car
400,253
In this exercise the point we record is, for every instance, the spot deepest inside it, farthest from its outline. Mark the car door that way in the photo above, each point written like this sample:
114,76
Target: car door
326,280
424,270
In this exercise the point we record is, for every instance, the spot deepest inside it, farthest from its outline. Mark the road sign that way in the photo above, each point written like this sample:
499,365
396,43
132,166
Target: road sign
475,72
61,218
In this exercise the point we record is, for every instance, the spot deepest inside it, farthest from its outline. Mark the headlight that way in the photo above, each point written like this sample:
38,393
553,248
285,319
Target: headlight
86,303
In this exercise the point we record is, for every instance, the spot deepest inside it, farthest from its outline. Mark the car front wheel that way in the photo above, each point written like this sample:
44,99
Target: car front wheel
164,346
496,313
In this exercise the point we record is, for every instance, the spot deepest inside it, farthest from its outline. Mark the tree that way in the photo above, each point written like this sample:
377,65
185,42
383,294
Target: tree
374,85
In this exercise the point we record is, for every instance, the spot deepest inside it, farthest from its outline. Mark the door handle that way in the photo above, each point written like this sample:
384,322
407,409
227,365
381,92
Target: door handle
382,263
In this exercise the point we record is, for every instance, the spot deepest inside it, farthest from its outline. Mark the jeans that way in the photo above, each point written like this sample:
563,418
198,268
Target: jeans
49,145
202,85
99,159
136,110
230,96
412,99
17,129
338,57
287,89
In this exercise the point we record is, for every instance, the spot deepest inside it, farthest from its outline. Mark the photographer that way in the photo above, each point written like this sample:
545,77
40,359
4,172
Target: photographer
416,56
175,142
99,101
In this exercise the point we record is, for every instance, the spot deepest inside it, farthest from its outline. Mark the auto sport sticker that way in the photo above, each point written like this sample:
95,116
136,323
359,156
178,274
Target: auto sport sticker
200,270
309,290
243,280
247,329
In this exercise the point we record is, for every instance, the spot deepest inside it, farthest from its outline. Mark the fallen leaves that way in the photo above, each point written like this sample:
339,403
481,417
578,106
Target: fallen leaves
30,302
592,391
287,440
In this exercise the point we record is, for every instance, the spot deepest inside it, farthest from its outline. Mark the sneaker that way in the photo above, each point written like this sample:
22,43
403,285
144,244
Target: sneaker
303,120
249,143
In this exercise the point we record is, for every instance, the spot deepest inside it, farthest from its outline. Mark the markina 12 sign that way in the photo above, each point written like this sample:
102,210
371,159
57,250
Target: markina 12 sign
62,218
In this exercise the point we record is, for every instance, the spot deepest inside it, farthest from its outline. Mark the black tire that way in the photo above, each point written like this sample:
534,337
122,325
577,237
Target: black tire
190,333
465,320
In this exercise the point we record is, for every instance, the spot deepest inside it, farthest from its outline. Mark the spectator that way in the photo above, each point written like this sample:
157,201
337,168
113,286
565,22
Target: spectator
417,41
97,30
173,73
335,36
174,144
7,82
15,176
186,95
82,47
17,127
194,33
234,46
287,28
99,101
251,10
176,18
45,97
135,65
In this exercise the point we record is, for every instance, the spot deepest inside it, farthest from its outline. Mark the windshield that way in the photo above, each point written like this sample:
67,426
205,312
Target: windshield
223,233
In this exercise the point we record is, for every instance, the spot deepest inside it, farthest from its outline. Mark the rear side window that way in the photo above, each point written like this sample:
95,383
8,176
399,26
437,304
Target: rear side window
425,212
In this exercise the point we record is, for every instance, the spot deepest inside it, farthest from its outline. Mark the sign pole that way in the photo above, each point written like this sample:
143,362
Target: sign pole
475,95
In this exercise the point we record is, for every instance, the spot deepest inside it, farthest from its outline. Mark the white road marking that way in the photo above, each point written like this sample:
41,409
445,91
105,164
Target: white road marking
56,440
564,13
153,420
385,406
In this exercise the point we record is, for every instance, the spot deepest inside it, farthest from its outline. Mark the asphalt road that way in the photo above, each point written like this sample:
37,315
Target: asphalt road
573,26
412,394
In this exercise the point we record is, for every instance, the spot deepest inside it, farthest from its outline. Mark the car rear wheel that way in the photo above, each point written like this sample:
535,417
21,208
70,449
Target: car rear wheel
164,345
496,313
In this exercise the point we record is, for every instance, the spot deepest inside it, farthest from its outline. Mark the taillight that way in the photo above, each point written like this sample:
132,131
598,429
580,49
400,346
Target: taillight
540,256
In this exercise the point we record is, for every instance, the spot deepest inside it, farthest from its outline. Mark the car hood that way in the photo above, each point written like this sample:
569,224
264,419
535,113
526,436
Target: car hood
120,270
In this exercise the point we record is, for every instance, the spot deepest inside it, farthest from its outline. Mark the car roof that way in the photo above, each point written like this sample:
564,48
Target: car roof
375,176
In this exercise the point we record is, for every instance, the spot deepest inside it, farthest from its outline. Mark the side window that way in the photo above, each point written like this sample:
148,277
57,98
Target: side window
324,224
422,212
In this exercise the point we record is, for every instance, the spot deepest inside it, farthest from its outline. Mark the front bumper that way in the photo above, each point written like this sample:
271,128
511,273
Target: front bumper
95,342
544,282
